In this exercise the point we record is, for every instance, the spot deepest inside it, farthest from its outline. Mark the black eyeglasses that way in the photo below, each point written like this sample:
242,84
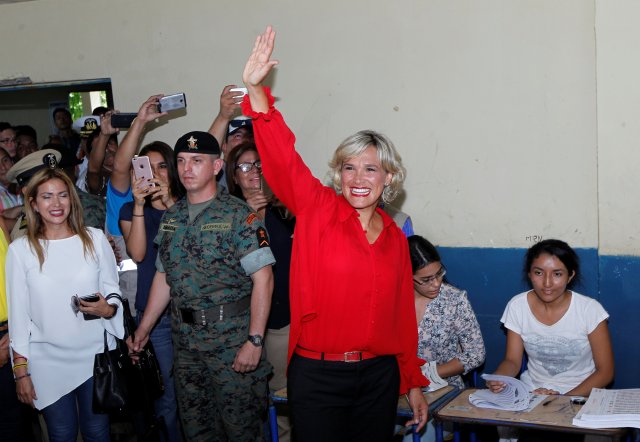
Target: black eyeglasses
431,279
246,167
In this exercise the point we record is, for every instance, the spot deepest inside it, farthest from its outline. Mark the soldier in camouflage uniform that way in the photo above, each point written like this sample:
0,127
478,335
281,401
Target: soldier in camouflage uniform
214,264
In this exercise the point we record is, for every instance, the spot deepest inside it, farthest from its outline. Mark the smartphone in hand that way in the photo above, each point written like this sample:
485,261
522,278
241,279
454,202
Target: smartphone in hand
142,169
75,305
123,120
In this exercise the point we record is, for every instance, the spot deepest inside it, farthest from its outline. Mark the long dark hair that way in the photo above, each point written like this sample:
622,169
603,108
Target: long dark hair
232,162
175,186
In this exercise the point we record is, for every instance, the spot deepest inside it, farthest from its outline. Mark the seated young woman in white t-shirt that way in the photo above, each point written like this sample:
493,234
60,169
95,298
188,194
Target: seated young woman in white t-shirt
565,334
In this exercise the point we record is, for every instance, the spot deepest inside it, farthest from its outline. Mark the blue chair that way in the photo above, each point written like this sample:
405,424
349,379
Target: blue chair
273,422
271,429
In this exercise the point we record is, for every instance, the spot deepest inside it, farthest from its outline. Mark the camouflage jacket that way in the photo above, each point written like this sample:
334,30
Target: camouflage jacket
208,261
94,209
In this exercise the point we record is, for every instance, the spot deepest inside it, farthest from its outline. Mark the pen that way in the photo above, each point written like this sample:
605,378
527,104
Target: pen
549,401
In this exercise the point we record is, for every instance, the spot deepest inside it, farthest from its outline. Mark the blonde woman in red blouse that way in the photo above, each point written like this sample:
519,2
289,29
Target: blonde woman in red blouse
353,341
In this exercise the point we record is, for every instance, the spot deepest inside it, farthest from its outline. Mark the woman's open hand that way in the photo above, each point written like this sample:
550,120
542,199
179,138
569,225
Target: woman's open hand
419,408
25,391
259,63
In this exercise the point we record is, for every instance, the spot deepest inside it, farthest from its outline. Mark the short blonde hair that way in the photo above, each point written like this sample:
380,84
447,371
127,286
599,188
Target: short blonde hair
390,160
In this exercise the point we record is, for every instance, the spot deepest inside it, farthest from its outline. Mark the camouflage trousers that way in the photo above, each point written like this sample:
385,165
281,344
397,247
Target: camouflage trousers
216,403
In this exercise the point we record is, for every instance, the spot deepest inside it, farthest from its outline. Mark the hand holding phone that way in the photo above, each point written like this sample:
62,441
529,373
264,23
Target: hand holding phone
75,305
142,169
239,93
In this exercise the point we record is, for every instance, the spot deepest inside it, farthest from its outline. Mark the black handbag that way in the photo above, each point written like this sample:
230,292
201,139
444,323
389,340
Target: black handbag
112,376
119,385
111,392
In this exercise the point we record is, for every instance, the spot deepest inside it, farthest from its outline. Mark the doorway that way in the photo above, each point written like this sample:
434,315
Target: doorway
33,104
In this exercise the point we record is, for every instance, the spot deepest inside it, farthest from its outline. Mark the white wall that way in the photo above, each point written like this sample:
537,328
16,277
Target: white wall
491,103
618,71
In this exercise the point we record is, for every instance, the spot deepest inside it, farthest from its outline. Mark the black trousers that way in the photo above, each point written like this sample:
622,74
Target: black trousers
341,401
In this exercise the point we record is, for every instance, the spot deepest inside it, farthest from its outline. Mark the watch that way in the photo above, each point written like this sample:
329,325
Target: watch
256,340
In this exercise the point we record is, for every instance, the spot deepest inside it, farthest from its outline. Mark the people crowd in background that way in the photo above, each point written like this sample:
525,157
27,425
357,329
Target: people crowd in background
249,275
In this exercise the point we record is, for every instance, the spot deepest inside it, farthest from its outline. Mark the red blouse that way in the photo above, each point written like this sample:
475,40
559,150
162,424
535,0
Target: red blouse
346,294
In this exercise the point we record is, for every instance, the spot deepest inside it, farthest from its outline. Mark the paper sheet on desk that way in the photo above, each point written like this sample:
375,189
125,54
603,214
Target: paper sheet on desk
430,371
610,409
514,397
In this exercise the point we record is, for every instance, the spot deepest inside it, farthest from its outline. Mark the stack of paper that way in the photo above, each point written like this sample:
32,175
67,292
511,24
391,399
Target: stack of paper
514,397
430,371
610,409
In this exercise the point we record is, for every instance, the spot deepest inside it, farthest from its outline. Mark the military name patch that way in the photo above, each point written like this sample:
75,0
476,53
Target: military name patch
167,227
263,238
215,226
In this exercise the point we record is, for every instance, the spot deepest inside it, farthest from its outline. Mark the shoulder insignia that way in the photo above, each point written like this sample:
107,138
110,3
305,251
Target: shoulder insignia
263,238
251,218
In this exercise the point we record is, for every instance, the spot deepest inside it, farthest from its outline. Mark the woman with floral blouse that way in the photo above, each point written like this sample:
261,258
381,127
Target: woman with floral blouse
448,331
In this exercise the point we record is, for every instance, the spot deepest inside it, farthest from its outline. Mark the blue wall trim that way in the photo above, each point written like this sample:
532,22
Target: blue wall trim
492,277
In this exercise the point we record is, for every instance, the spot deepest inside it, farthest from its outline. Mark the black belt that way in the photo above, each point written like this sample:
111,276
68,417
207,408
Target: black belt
216,313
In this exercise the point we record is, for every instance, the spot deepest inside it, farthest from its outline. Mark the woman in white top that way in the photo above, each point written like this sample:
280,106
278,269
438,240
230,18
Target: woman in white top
565,334
53,348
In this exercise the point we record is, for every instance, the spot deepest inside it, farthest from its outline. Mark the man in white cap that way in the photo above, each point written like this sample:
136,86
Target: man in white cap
85,126
21,172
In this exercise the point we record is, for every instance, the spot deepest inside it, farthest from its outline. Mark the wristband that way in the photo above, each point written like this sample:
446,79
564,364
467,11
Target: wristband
17,378
22,364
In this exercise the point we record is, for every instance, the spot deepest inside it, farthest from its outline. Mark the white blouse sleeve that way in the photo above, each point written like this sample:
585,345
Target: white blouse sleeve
18,302
512,318
108,280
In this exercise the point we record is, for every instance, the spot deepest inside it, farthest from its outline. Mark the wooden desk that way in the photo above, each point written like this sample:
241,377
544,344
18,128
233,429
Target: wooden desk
555,416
